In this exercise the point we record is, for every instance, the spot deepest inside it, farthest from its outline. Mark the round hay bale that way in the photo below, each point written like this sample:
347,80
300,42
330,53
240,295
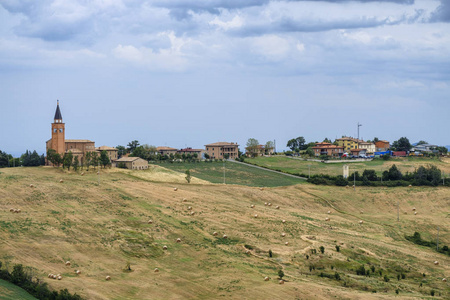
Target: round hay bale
31,185
192,213
444,279
59,277
277,207
150,222
175,189
78,272
156,270
215,233
54,276
82,173
225,236
255,216
361,212
252,206
164,247
189,207
67,263
261,189
361,221
414,209
353,186
266,278
329,212
270,204
409,185
108,278
283,234
178,240
247,251
327,219
184,200
347,186
281,282
17,210
436,263
415,213
50,275
287,243
265,203
283,221
61,181
11,209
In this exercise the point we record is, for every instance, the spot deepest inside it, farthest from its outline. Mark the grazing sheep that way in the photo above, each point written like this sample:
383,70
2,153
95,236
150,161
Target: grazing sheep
150,222
281,282
61,181
415,213
11,209
215,233
444,279
252,206
175,189
283,234
189,207
414,209
283,221
31,185
225,236
156,270
108,278
67,263
164,247
17,211
287,243
178,240
436,262
265,203
78,272
329,212
277,207
184,200
192,213
266,278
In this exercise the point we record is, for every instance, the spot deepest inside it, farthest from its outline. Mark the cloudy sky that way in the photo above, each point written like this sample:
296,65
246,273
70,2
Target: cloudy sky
187,73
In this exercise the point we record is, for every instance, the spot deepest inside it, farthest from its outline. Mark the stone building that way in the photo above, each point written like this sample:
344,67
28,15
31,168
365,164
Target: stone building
132,163
219,149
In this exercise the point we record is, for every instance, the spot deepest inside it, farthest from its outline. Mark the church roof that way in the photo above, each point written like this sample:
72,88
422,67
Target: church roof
58,115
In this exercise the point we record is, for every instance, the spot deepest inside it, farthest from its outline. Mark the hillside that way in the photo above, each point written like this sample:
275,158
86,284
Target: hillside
101,228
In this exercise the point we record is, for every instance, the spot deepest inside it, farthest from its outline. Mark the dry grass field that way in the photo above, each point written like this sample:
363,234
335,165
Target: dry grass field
102,228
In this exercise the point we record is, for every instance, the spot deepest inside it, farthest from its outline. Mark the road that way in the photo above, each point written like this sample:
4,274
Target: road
268,170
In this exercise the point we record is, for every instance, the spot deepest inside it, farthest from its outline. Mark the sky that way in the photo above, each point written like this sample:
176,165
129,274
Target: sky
189,73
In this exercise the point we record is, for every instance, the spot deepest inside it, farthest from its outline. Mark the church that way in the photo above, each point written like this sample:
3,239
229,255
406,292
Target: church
78,148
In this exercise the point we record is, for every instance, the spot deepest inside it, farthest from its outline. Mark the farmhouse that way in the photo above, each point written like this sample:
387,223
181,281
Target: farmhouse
166,150
132,163
328,149
219,149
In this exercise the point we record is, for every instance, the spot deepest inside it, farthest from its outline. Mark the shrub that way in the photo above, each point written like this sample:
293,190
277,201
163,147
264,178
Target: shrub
361,271
338,248
280,273
432,293
372,268
337,276
386,278
322,249
341,181
270,253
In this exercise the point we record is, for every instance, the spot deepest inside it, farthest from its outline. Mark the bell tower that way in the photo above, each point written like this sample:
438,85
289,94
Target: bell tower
58,132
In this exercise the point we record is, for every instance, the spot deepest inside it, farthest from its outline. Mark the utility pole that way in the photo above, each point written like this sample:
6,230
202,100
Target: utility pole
359,125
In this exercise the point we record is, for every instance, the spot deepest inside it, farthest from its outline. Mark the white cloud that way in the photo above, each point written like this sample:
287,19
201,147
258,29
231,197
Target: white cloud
236,22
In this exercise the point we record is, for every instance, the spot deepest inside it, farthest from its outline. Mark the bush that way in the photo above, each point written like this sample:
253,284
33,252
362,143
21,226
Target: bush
270,253
322,249
386,157
341,181
338,248
361,271
280,274
386,278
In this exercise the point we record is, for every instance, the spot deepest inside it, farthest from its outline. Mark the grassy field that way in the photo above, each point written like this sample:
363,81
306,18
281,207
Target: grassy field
9,291
102,228
234,174
293,166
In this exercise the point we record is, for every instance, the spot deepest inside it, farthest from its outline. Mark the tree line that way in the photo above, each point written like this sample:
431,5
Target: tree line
68,160
28,159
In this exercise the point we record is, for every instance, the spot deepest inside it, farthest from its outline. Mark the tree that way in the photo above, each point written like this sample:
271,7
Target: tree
252,147
280,274
297,144
67,160
393,174
371,175
104,159
269,147
422,143
375,139
121,151
75,163
4,159
87,160
94,159
292,144
132,145
402,144
188,176
326,140
206,156
310,151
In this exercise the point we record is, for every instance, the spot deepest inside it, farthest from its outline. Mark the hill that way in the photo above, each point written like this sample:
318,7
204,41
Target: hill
102,228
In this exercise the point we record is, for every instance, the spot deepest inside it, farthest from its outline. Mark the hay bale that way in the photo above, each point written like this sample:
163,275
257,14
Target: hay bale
265,203
281,282
361,212
178,240
444,279
255,215
277,207
61,181
192,213
98,172
50,275
327,219
156,270
329,212
215,233
150,222
361,221
283,221
184,200
261,189
415,213
82,173
175,189
436,263
252,206
31,185
347,186
54,276
67,263
270,204
108,278
59,277
409,185
414,209
78,272
247,251
287,243
164,247
11,209
225,236
189,207
283,234
266,278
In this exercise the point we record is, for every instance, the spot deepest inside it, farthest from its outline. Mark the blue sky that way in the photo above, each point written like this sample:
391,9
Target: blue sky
187,73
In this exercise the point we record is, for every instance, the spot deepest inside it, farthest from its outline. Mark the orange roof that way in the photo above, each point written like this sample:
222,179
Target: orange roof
165,149
78,141
106,148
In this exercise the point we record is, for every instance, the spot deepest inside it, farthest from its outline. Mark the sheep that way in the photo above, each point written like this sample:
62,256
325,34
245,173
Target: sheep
287,243
11,209
415,213
31,185
277,207
252,206
108,277
215,233
327,219
50,275
67,263
54,276
266,278
150,222
78,272
283,234
261,189
164,247
409,185
175,189
225,236
413,209
178,240
436,263
61,181
17,211
283,221
82,173
270,204
361,221
255,215
192,213
156,270
281,282
59,277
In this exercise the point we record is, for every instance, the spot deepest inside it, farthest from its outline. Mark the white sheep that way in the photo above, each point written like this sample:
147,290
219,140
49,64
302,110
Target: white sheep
255,215
283,221
175,189
192,213
444,279
327,219
11,209
59,277
329,212
225,236
281,282
266,278
82,173
78,272
61,181
436,262
252,206
283,234
189,207
415,213
265,203
150,222
414,209
184,200
287,243
178,240
277,207
361,221
31,185
270,204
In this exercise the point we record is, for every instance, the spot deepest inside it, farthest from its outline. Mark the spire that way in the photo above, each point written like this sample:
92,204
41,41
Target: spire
58,115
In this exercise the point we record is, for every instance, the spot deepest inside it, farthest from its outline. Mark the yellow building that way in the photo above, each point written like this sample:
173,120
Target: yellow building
218,150
348,143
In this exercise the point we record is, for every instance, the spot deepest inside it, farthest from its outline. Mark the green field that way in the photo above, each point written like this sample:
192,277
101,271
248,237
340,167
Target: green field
9,291
299,166
234,174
